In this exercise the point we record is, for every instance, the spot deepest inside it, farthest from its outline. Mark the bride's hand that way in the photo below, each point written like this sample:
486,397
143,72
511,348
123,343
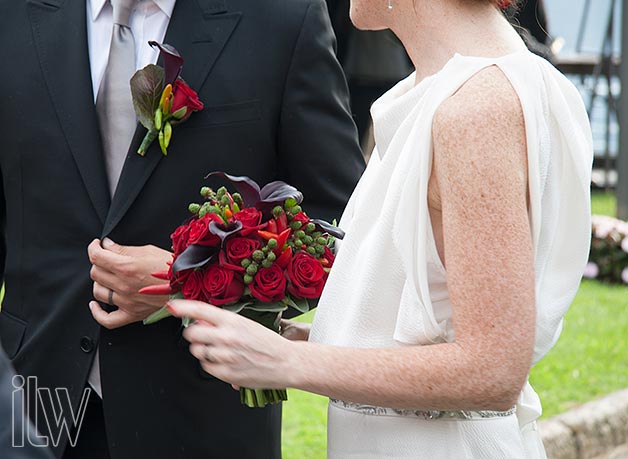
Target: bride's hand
236,349
295,331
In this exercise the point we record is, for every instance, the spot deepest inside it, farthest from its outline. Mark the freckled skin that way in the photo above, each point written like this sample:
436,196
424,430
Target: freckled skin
478,205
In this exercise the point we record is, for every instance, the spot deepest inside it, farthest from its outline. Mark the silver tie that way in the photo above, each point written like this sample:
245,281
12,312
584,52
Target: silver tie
114,105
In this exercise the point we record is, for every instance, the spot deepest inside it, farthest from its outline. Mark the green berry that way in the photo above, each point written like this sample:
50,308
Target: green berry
252,269
267,263
272,243
194,208
290,203
300,234
307,240
277,211
245,263
221,191
237,197
310,227
316,234
298,242
319,249
204,210
321,240
258,255
271,256
206,192
224,200
311,250
295,210
248,279
296,225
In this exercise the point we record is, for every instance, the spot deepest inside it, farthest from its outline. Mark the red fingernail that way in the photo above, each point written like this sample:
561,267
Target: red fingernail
170,308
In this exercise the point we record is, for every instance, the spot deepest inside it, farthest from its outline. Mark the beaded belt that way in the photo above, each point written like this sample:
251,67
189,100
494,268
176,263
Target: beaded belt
428,415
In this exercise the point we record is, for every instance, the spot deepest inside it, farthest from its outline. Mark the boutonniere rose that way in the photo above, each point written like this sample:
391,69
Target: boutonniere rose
162,99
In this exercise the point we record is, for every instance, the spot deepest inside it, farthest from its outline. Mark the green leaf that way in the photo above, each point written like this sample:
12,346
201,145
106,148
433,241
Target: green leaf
146,87
268,319
177,296
157,316
267,307
236,307
300,304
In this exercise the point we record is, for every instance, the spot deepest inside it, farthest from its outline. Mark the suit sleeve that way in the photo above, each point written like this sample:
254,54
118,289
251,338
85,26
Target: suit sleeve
318,141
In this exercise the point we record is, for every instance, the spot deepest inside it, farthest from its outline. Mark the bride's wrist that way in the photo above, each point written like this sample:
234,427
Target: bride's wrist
298,362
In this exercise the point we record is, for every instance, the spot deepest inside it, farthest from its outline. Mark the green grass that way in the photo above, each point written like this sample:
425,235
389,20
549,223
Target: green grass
603,203
304,422
588,361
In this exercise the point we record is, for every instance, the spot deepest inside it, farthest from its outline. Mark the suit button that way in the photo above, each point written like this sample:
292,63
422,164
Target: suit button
87,344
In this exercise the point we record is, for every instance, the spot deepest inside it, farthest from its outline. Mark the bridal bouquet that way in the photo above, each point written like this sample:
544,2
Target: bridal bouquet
254,252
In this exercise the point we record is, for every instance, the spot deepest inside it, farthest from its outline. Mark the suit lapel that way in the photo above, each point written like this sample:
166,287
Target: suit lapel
199,30
60,36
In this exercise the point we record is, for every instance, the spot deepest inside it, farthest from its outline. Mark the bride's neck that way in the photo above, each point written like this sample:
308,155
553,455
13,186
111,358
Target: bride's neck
433,31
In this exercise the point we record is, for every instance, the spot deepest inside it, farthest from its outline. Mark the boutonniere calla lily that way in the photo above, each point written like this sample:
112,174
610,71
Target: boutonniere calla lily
162,99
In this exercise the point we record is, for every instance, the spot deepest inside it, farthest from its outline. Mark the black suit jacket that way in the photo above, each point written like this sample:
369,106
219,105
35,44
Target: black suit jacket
276,107
18,440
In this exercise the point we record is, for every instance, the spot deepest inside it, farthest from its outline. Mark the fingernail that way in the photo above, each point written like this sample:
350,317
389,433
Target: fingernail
170,307
107,243
91,305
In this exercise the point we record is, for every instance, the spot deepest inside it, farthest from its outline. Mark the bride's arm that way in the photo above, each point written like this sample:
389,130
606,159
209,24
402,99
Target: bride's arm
480,166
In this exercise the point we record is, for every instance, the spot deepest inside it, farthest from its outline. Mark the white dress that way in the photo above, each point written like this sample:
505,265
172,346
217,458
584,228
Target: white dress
388,287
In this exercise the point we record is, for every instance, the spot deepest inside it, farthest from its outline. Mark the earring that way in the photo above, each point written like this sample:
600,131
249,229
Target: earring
390,4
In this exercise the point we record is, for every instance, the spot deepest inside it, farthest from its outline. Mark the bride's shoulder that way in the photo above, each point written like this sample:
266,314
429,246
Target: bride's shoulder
486,100
483,115
479,132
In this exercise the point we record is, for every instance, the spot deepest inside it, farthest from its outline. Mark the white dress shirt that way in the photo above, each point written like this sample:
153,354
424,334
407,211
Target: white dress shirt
149,21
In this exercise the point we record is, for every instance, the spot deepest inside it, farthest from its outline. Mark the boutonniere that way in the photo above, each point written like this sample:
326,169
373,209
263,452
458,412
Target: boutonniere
161,98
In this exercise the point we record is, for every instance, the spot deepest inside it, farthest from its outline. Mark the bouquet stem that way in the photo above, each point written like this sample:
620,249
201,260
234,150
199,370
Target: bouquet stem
259,398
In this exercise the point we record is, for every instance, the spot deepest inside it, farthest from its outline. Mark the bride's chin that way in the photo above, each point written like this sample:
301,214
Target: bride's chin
364,17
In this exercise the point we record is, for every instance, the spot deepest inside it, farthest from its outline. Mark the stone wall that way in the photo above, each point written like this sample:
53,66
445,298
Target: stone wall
588,431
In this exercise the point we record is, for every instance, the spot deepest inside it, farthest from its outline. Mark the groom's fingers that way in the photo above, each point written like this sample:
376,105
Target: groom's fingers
107,259
103,277
110,320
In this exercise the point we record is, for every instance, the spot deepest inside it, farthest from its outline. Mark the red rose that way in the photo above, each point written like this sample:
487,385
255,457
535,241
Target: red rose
301,217
193,286
180,239
269,284
306,275
236,250
199,231
184,96
250,219
222,286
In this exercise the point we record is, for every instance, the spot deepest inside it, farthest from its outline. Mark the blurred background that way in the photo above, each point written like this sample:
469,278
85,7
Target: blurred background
583,381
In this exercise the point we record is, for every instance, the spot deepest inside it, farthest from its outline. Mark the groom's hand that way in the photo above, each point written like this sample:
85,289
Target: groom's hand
124,270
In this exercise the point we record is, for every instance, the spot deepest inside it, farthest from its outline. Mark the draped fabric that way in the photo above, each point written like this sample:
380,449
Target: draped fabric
388,287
